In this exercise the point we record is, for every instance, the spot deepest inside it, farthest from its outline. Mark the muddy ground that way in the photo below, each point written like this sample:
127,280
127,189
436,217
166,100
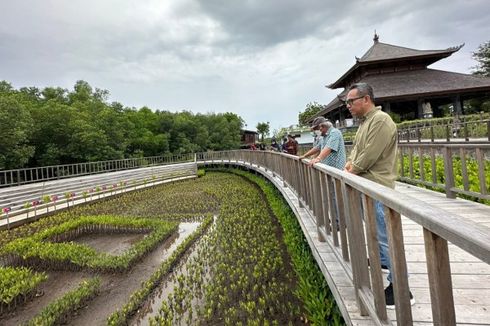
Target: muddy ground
115,288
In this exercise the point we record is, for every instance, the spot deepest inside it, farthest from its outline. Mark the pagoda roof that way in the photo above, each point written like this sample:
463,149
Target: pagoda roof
380,53
383,51
413,84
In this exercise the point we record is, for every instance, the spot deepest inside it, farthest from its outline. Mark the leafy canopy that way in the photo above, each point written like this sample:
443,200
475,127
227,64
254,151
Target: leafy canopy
59,126
311,110
482,56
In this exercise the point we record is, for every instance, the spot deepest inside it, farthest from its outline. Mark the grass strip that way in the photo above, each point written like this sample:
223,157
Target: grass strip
58,311
38,250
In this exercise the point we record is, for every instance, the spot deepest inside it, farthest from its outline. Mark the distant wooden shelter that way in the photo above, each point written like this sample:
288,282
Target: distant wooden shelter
248,138
404,84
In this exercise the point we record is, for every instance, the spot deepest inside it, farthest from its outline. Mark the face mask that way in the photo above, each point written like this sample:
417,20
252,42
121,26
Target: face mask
318,133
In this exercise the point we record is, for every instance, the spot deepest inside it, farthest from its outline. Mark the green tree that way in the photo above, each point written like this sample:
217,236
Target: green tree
15,127
311,110
263,129
482,56
55,126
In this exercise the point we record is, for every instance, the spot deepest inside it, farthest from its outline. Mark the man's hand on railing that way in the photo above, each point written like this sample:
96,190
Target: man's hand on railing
313,161
348,167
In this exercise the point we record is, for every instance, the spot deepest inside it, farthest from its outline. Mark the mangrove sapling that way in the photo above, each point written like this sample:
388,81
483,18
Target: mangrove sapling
46,200
57,311
17,285
27,206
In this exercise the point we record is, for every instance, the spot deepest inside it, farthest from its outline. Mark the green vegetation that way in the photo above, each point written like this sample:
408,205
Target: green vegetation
55,126
474,126
58,311
249,261
40,250
16,285
312,289
242,272
311,110
120,317
263,129
201,173
173,201
482,56
471,166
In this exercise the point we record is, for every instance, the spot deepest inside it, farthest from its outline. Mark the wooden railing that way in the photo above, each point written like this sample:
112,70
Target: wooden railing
54,172
447,167
316,187
446,131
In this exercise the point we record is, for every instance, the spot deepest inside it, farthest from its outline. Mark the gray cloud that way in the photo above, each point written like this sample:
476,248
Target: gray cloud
261,59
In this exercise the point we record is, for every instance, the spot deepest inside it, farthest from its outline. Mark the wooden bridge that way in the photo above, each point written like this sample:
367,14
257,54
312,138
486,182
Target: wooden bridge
441,243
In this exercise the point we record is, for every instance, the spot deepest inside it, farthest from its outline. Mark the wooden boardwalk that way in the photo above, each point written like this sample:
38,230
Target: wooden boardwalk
470,276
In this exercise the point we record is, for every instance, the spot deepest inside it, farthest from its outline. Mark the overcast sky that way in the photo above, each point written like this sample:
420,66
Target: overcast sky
262,59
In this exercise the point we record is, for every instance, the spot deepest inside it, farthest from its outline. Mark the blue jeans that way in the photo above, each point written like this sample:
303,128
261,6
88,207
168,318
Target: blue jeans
384,250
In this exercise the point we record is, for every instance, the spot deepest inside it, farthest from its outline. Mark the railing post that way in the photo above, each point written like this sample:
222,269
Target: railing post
398,267
440,283
360,274
488,130
448,172
318,197
374,257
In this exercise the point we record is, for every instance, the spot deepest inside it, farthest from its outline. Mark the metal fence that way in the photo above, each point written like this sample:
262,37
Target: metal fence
54,172
335,199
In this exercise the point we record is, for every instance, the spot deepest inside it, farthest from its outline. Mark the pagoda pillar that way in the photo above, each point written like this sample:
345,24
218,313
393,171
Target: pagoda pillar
387,107
420,108
457,107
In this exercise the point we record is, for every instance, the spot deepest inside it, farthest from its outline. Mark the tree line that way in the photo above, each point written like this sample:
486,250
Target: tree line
53,126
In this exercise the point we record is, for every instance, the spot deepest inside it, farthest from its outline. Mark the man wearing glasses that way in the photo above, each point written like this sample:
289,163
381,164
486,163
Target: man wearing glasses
374,157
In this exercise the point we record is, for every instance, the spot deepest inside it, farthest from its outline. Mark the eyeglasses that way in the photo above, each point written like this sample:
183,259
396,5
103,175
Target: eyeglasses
351,100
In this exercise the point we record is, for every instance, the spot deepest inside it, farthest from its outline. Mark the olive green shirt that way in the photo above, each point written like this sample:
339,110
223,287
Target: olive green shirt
374,153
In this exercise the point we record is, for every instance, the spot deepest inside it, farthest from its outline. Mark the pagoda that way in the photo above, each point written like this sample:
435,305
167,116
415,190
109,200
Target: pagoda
403,83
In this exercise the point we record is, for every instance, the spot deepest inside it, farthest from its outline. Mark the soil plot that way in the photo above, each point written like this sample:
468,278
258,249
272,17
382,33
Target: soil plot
112,244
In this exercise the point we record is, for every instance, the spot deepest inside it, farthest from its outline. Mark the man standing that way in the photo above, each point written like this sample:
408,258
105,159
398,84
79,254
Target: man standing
330,146
374,157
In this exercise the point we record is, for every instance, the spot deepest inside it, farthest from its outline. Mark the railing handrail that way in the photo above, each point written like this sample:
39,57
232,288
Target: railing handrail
452,227
408,206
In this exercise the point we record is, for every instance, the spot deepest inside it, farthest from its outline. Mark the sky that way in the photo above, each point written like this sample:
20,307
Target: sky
263,60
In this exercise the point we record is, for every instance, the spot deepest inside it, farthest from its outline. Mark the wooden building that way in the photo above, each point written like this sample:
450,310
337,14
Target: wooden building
248,138
403,83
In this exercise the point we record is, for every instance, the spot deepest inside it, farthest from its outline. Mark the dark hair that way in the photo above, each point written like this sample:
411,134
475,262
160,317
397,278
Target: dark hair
363,89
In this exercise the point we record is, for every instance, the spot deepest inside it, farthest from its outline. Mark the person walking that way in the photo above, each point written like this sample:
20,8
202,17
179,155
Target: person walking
374,157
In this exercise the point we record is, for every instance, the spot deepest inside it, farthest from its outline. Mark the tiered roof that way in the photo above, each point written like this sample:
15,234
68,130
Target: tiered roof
397,72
